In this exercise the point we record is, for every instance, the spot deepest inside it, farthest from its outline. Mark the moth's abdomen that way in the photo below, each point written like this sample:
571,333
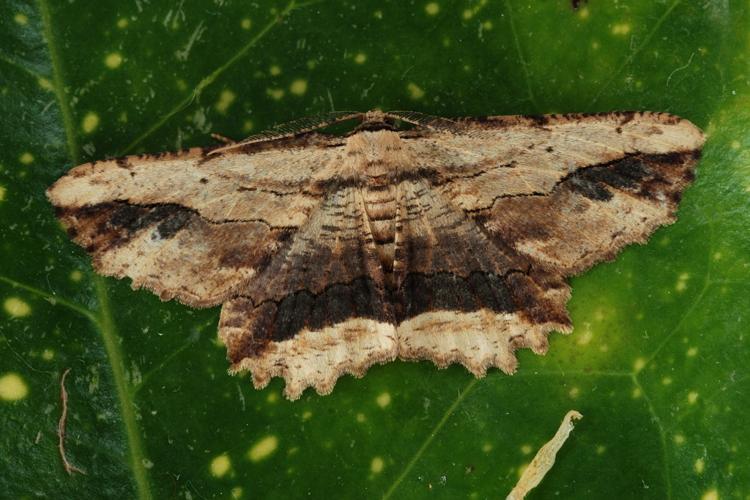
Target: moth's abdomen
381,208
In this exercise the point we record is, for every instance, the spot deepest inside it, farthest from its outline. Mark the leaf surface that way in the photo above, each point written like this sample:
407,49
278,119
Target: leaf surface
658,360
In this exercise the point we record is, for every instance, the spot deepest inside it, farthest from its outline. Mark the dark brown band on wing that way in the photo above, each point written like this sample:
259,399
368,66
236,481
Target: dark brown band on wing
598,209
273,321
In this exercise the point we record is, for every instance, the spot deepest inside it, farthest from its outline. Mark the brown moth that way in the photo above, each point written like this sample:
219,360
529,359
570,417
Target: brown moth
451,241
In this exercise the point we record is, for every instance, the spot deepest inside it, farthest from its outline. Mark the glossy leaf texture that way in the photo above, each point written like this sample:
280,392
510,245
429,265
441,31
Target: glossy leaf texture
658,360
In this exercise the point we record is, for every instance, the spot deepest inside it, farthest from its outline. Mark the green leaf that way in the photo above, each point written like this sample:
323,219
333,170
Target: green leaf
658,360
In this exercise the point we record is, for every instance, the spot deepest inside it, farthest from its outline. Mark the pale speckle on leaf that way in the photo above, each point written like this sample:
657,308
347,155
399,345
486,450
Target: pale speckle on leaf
621,29
383,399
113,60
432,8
298,87
90,122
360,58
16,307
699,466
263,449
275,94
220,465
415,92
12,387
226,98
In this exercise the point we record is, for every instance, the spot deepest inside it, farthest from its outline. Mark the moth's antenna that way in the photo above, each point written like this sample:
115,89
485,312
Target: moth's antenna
292,128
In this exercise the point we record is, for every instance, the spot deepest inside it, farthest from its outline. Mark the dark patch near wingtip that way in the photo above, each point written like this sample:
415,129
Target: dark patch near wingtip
172,224
590,189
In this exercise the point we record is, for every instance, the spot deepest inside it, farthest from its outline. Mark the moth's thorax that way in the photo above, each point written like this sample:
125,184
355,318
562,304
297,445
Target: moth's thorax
375,154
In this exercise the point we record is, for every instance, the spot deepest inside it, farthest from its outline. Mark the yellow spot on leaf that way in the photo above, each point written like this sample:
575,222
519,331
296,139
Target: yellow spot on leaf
113,60
12,387
636,393
226,98
275,94
526,449
699,466
383,400
237,492
574,392
220,465
26,158
76,276
586,336
666,381
298,87
601,449
263,449
467,14
360,58
90,122
272,398
122,23
710,495
432,8
246,23
415,92
487,25
735,144
639,364
681,284
692,352
679,439
584,13
361,417
621,29
275,70
2,193
247,125
378,14
45,84
21,18
48,355
306,415
16,307
692,397
376,466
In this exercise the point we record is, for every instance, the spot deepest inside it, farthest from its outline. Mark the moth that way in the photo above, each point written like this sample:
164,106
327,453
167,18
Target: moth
408,236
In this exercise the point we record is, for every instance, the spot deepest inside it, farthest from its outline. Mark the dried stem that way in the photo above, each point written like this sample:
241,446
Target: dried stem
69,468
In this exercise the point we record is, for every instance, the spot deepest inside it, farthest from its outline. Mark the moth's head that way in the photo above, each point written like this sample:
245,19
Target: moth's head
376,120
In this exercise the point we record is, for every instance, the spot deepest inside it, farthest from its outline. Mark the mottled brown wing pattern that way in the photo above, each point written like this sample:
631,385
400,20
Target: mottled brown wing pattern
450,242
193,225
319,309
